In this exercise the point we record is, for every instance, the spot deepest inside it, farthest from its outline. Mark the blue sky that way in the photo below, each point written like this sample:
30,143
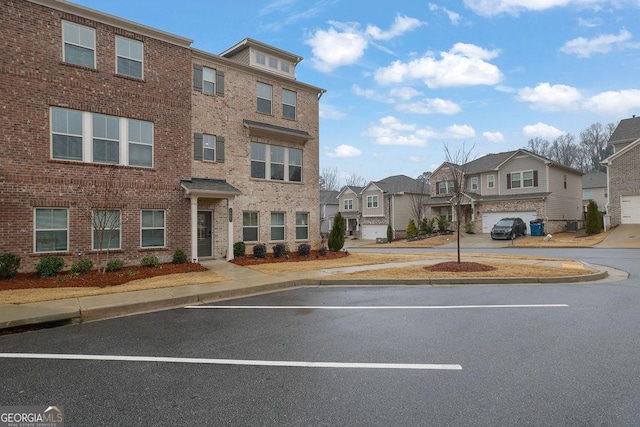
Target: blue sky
406,77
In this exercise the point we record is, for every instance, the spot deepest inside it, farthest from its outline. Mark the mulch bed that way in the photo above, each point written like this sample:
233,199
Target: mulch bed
94,278
453,266
290,257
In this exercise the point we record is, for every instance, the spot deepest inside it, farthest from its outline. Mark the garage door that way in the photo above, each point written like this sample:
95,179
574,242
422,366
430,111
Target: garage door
630,209
490,219
371,232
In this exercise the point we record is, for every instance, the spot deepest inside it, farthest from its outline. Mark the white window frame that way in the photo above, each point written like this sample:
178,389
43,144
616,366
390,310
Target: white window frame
153,227
519,181
273,226
61,128
262,95
302,224
96,227
126,44
208,145
372,201
449,187
37,230
142,140
288,105
288,162
68,39
474,183
491,181
105,139
251,226
348,204
208,77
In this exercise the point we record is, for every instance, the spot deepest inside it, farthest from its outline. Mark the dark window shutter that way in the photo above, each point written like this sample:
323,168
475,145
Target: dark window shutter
197,77
219,149
219,83
437,188
535,178
197,146
508,181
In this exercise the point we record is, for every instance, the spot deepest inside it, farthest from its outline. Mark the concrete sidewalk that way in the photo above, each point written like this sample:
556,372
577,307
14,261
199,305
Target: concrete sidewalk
241,281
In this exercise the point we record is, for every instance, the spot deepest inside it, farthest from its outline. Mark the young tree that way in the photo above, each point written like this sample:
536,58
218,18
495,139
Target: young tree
418,199
458,167
335,240
412,230
594,218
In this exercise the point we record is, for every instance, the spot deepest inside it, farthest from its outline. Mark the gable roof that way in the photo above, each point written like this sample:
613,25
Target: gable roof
594,180
401,184
329,197
352,188
628,130
488,163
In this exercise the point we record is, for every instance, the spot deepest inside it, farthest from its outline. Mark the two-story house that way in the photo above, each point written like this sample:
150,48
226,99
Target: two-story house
349,207
622,173
510,184
328,210
172,147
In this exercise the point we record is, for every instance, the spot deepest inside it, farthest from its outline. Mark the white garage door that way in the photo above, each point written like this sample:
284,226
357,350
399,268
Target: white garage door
630,209
371,232
490,219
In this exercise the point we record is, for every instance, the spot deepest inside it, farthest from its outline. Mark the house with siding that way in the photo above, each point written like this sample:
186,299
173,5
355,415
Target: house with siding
328,209
124,138
594,187
510,184
623,178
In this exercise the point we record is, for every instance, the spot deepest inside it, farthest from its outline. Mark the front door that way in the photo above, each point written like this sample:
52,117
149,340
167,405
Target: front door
205,236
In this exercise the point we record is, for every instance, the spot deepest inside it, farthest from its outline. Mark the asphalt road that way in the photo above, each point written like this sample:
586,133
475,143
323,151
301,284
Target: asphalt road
366,356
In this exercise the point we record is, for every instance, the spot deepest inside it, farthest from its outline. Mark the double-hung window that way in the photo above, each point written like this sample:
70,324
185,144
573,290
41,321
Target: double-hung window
153,228
276,163
491,181
106,229
446,187
249,226
372,201
348,204
79,44
515,180
295,165
129,57
66,134
527,179
302,226
265,96
277,226
474,184
288,104
140,143
208,147
258,160
106,139
208,81
51,230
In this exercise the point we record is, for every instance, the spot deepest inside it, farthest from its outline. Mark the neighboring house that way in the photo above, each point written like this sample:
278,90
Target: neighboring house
623,173
510,184
594,187
393,200
328,209
178,148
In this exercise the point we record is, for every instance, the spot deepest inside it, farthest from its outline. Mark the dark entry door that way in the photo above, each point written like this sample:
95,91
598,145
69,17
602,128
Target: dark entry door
205,235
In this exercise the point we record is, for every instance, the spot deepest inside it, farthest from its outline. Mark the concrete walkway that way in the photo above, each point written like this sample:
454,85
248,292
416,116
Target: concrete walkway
241,281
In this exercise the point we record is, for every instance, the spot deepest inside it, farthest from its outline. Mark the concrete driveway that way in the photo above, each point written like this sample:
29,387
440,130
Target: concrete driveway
623,236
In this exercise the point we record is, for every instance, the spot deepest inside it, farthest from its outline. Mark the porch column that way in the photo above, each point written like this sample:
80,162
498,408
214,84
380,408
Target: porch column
194,228
229,230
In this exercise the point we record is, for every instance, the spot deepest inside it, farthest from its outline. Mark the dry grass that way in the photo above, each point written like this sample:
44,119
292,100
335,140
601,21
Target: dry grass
562,240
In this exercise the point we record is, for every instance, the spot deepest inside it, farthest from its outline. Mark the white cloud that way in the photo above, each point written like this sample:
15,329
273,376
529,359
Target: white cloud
548,97
614,103
391,131
514,7
404,93
459,132
453,16
333,48
464,65
430,106
496,137
344,151
401,25
371,94
542,130
415,159
589,23
604,43
330,112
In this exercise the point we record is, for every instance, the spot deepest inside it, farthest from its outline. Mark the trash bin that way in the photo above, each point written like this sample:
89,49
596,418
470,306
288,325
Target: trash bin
537,227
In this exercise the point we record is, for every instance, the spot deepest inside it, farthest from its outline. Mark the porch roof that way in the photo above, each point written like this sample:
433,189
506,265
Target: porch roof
274,131
441,201
207,187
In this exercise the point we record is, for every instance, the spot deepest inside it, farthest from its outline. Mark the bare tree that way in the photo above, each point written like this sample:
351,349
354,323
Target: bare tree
425,177
538,146
329,179
594,141
458,165
355,181
564,150
418,199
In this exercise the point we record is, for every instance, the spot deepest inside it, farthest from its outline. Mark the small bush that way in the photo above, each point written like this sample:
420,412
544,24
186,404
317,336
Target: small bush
179,257
9,264
304,249
389,233
260,250
280,250
593,224
239,249
468,227
150,261
323,250
412,230
82,266
336,235
49,266
426,225
115,265
443,223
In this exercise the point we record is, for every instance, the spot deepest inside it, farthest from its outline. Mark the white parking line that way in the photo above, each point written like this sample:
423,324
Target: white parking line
294,364
382,307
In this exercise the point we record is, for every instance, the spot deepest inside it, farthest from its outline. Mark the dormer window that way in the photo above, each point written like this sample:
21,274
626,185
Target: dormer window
272,63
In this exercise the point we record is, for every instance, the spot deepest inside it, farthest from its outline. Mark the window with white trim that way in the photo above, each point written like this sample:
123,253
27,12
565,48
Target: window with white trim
79,44
515,180
106,139
250,226
153,228
140,143
288,104
276,163
348,204
491,181
527,179
302,226
265,97
51,229
66,134
208,80
474,183
106,229
129,55
446,187
372,201
277,226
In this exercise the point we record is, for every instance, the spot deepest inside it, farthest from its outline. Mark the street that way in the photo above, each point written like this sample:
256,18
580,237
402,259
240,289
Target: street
564,354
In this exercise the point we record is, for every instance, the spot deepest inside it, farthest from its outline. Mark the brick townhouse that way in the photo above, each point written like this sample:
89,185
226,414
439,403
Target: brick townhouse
117,135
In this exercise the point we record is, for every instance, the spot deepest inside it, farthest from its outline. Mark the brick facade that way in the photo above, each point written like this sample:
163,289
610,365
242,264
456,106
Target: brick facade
621,170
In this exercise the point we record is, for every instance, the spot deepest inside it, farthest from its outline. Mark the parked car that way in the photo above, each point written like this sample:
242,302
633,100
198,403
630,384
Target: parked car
509,228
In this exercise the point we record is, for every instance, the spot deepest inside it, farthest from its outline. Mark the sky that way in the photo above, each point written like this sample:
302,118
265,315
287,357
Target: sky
405,79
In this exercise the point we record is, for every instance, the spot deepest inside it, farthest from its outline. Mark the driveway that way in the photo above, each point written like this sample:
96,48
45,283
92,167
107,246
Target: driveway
623,236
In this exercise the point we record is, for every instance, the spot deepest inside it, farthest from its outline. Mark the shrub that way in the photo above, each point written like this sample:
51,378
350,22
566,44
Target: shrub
412,231
82,266
115,265
150,261
9,264
593,223
426,225
239,249
49,266
279,250
260,250
336,235
179,257
304,249
443,223
389,233
322,251
468,227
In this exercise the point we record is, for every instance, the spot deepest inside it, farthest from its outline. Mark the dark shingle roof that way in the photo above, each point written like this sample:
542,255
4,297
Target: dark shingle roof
329,197
402,184
594,180
209,185
628,130
488,162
